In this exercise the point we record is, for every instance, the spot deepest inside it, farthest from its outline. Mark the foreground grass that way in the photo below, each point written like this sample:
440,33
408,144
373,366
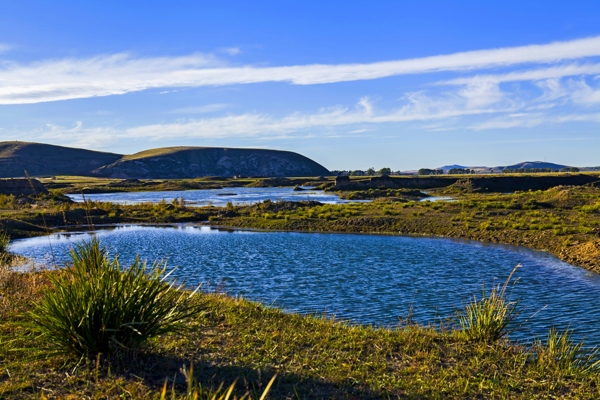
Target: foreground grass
313,357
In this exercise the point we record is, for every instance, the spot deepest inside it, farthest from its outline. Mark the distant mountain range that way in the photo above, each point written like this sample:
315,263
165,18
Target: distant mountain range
162,163
521,165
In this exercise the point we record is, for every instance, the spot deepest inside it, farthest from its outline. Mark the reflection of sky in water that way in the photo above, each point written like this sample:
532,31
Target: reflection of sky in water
365,278
216,197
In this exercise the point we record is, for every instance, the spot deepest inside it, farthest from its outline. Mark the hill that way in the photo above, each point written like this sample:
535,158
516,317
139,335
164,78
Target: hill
191,162
536,165
43,160
171,162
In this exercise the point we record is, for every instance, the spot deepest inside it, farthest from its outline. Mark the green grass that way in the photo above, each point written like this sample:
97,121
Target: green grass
313,356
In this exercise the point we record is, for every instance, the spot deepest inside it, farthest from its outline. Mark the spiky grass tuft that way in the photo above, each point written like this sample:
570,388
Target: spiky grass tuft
487,319
560,352
98,307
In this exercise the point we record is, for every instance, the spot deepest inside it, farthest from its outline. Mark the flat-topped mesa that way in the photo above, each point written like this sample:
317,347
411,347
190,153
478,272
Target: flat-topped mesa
21,187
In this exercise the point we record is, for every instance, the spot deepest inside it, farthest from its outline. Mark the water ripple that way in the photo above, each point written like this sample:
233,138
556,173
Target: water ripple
364,278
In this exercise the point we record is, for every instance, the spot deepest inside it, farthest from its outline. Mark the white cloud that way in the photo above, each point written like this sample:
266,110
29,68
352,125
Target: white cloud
418,107
204,109
534,119
4,47
583,94
232,51
54,80
537,74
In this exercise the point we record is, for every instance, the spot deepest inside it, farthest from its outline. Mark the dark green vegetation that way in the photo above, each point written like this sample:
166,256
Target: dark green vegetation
163,163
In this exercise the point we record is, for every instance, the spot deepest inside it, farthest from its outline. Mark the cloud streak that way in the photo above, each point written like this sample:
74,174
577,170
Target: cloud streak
117,74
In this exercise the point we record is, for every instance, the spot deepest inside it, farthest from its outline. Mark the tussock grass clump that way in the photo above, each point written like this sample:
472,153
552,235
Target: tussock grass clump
487,319
96,306
560,353
4,241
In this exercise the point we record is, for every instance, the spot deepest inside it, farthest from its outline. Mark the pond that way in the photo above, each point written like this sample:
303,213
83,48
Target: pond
367,279
217,197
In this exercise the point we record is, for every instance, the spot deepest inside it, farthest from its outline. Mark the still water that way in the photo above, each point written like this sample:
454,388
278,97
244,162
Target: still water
216,197
363,278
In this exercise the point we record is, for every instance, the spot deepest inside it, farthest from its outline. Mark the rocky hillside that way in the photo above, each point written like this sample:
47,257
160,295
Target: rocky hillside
171,162
191,162
44,160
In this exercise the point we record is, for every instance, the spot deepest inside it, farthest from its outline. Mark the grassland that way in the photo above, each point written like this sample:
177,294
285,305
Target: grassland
313,356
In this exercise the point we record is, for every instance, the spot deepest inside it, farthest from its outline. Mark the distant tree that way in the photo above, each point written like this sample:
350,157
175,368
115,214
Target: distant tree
427,171
339,172
371,171
454,171
385,171
570,169
357,172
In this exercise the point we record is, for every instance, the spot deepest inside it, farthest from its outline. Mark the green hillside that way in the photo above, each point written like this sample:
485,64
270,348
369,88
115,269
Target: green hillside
40,159
163,163
191,162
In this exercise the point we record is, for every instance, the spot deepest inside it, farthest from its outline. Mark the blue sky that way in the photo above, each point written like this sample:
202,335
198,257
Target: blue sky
352,85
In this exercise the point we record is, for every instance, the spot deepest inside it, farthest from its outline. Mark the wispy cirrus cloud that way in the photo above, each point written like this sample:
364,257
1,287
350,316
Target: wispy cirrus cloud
4,48
203,109
53,80
433,113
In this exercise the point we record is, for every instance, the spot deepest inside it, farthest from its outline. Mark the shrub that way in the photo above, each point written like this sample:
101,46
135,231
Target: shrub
486,320
98,307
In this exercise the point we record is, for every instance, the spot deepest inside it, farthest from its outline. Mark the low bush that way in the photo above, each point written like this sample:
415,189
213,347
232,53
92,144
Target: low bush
96,306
